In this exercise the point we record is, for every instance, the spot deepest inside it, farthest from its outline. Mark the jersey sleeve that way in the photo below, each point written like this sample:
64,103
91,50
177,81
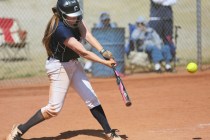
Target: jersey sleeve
62,33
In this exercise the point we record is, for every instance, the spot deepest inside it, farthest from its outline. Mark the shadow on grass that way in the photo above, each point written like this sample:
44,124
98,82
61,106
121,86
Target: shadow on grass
71,134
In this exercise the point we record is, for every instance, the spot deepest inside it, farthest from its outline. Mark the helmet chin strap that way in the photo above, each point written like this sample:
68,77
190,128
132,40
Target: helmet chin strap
69,25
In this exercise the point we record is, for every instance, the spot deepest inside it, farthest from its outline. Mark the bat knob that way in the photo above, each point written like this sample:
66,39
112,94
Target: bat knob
128,104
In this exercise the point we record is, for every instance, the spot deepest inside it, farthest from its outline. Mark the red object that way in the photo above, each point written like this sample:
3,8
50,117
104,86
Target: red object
5,25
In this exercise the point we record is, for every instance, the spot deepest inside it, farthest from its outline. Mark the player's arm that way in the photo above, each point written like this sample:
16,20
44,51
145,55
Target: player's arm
89,37
79,49
93,41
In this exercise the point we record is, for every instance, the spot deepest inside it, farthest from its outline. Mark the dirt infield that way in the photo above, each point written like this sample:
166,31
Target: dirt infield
165,107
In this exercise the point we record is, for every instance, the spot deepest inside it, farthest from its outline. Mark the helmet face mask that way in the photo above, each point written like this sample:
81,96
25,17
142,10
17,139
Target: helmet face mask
72,21
70,12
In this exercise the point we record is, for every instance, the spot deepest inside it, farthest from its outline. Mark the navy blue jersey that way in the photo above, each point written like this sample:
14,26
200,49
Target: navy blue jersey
59,50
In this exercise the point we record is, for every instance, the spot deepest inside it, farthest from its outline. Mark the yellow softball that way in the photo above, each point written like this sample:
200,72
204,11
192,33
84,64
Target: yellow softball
192,67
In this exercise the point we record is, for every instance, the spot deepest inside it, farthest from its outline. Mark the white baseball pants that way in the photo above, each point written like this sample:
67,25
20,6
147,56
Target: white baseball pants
61,76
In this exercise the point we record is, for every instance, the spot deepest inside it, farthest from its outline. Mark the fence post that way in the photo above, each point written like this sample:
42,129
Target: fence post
199,37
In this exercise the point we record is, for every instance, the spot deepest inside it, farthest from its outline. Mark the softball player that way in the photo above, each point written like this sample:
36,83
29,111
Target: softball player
61,40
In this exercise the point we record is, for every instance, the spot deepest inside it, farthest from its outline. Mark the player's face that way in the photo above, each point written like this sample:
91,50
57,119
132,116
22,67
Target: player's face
73,20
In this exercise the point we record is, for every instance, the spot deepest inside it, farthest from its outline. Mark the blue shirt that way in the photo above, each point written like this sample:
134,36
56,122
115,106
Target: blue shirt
59,50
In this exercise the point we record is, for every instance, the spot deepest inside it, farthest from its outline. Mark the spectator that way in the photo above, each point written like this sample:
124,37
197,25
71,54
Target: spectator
149,41
105,22
161,19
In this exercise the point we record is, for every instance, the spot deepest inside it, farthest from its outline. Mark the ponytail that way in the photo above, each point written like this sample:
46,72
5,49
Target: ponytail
50,29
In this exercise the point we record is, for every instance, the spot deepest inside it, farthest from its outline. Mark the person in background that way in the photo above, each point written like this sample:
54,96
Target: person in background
147,39
104,22
161,20
61,39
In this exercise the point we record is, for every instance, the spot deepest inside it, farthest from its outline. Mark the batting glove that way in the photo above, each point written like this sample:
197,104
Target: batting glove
106,54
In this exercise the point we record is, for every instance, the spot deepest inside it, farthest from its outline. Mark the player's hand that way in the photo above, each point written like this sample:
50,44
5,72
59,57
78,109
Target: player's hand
110,63
107,54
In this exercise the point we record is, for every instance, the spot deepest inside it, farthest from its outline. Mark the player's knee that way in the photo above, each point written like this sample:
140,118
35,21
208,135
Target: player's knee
51,111
92,103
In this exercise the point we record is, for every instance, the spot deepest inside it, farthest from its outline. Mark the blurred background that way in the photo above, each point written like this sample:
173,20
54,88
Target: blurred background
32,16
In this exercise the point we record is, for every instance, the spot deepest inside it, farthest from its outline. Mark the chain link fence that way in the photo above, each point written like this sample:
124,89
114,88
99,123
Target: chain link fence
33,15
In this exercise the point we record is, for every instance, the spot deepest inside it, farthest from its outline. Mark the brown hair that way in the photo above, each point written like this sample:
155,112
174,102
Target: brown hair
50,29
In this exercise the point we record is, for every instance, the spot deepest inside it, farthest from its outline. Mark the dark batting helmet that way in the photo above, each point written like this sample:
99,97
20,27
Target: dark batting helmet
69,8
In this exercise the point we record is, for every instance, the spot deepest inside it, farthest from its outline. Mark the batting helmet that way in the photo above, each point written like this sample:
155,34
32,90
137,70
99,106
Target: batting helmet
69,8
